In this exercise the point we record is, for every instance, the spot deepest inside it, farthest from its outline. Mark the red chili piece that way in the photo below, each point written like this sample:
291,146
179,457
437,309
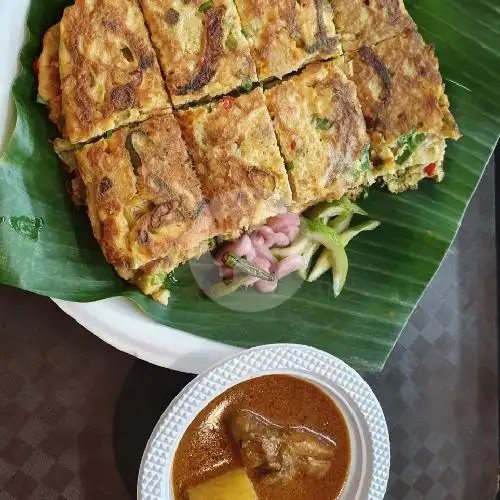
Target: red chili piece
228,102
293,145
430,169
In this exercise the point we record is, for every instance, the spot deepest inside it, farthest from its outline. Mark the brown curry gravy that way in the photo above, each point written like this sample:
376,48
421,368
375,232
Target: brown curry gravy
206,449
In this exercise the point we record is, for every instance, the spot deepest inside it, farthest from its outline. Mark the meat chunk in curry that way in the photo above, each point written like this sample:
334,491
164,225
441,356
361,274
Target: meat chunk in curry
280,452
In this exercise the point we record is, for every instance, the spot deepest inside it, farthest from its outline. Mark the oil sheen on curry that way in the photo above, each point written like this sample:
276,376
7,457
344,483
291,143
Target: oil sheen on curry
275,437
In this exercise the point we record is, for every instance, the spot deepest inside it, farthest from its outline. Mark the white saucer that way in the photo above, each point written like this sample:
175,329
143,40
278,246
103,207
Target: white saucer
370,447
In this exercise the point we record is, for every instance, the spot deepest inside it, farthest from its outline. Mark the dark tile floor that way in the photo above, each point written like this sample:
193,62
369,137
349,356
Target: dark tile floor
439,389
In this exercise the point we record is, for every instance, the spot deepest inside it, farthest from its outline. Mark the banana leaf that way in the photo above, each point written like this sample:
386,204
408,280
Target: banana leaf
46,245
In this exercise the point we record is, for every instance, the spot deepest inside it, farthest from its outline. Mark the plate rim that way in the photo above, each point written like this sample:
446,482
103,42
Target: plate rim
116,321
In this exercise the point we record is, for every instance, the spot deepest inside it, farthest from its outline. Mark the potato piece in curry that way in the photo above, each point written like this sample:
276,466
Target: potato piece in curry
202,50
284,35
144,201
321,132
406,109
232,485
109,72
237,161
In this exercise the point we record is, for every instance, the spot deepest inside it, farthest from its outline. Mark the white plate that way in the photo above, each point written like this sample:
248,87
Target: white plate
116,321
370,447
120,323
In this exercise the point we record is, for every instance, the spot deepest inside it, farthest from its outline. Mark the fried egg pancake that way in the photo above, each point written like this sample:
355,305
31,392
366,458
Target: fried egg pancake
285,35
427,164
49,81
109,73
144,200
368,22
321,132
202,50
237,160
403,101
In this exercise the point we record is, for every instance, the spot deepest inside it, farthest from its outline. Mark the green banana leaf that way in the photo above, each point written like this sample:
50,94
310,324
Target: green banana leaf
46,244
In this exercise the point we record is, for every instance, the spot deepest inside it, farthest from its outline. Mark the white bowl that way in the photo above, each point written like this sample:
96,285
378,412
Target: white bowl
370,449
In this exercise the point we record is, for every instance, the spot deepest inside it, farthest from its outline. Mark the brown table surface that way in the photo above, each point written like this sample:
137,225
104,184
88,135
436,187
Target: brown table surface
75,413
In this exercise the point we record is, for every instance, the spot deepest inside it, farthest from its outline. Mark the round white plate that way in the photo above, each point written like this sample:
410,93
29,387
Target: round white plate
120,323
370,447
116,321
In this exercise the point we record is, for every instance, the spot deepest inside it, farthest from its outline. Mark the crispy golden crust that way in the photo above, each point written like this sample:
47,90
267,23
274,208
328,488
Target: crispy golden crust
109,72
49,81
400,89
237,161
362,22
321,132
286,34
143,197
156,277
200,45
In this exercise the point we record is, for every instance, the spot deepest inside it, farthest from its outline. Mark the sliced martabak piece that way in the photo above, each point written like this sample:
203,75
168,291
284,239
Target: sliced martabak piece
284,35
368,22
237,160
201,48
49,81
321,132
144,201
109,73
406,109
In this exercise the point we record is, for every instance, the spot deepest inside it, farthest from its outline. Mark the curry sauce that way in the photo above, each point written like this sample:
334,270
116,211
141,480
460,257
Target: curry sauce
208,450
